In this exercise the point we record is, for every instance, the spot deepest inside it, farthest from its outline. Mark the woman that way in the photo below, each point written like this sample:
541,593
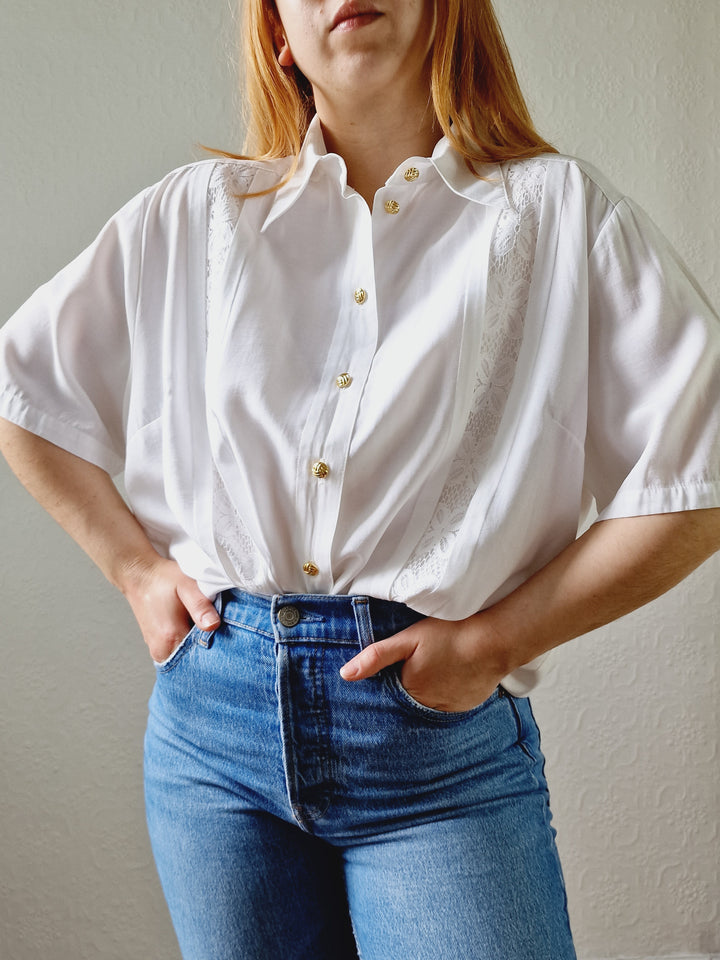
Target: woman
353,409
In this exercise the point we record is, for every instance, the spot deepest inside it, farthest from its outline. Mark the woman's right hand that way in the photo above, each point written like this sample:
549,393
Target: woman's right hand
166,603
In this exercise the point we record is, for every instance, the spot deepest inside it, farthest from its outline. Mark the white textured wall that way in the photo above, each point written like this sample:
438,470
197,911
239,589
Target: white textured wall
98,98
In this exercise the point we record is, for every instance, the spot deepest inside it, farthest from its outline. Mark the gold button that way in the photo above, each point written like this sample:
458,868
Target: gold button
310,569
320,469
412,173
360,295
343,381
392,206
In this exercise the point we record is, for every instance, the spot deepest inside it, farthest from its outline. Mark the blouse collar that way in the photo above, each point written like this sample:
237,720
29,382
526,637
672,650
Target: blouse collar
315,161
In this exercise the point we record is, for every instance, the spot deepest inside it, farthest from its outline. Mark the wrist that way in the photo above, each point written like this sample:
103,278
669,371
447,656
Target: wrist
491,644
131,575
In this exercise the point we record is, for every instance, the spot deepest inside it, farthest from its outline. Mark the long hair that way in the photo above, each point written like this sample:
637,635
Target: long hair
474,87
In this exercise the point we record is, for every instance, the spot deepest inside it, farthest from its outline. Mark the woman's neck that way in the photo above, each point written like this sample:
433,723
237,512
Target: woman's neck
373,142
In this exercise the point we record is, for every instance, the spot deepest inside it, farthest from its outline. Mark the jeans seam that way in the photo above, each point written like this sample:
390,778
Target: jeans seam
519,724
251,628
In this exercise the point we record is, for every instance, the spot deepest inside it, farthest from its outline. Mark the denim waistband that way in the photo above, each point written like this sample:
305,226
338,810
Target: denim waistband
316,616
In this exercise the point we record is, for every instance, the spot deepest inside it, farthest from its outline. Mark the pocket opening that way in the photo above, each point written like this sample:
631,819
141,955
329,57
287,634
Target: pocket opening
395,684
162,666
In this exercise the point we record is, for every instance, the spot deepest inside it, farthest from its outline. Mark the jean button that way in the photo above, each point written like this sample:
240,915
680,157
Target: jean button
289,616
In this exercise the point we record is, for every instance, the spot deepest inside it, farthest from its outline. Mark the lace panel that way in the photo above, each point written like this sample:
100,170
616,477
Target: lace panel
236,548
230,179
512,256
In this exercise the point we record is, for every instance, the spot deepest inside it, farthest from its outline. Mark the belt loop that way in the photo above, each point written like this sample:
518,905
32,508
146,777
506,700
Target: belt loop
363,620
206,638
220,601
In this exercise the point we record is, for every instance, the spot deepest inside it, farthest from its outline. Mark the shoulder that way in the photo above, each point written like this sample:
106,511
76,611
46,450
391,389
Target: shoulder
213,181
230,175
554,170
565,188
594,180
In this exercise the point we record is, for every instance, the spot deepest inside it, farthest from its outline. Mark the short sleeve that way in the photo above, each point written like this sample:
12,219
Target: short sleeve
653,441
65,354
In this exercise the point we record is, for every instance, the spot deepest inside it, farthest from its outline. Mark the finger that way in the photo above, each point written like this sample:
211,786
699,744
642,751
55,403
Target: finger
201,610
377,656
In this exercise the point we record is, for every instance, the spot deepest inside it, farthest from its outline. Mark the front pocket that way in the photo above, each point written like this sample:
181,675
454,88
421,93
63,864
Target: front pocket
394,683
178,653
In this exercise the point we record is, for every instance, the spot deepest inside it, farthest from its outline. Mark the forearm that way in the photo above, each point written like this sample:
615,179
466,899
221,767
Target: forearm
83,499
85,502
614,568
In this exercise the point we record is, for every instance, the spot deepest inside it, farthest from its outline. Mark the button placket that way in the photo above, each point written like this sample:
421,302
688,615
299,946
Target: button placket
326,437
393,205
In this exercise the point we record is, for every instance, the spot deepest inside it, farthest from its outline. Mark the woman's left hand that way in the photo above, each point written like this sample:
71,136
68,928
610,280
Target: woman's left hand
448,665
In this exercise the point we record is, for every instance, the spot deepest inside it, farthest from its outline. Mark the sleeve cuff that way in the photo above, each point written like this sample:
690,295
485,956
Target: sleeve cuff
68,436
691,495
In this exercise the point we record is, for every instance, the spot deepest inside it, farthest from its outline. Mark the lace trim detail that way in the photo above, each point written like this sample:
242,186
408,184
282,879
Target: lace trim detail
512,257
228,182
236,548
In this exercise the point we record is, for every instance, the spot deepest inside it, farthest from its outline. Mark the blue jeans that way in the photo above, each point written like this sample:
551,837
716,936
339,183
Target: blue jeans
296,816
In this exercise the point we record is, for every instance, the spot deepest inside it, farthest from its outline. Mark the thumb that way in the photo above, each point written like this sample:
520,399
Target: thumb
379,655
201,610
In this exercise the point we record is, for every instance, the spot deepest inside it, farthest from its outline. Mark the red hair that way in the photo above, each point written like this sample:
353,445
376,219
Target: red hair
475,90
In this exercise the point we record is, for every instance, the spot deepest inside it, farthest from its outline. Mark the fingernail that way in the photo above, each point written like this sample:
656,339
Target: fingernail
209,621
349,671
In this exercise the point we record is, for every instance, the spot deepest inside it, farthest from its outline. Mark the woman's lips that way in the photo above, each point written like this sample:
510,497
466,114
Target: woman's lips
359,21
353,15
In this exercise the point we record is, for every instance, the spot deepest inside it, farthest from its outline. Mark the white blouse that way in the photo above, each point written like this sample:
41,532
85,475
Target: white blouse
414,403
